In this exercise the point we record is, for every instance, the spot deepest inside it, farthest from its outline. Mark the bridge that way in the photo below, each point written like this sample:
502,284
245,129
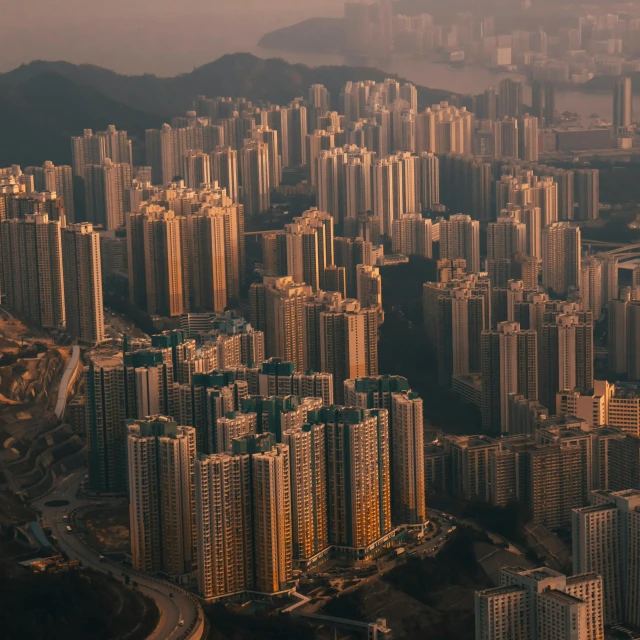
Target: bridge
624,252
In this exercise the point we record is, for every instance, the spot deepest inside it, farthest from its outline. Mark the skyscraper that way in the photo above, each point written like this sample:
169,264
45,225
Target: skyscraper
32,274
591,285
528,144
273,534
224,170
407,462
460,238
317,142
622,105
208,286
348,341
509,365
587,194
160,156
359,483
284,317
359,186
429,181
161,458
270,137
388,192
319,98
196,169
561,251
82,270
104,188
370,289
223,524
541,603
566,345
58,178
106,413
309,247
307,452
605,542
94,149
244,522
413,235
509,98
505,238
296,132
256,181
166,265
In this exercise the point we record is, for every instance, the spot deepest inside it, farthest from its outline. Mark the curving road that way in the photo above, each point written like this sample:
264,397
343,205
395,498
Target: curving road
172,610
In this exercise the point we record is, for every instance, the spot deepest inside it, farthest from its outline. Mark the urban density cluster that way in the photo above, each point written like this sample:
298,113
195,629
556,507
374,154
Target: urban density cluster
252,449
548,44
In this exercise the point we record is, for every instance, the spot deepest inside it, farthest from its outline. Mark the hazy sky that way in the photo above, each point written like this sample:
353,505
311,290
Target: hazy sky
137,36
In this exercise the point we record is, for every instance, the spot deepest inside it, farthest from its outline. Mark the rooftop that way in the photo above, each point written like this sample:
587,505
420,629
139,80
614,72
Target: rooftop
561,596
501,591
106,357
538,574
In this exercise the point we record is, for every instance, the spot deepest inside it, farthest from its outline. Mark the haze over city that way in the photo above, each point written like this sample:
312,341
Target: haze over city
132,36
320,320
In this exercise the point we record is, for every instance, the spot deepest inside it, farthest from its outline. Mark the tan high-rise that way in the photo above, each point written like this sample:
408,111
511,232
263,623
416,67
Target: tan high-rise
224,170
32,274
460,238
270,137
284,316
105,402
83,283
272,519
605,539
591,272
95,148
166,269
412,235
509,365
161,458
407,464
561,251
388,192
566,344
207,255
370,288
196,169
104,186
359,485
224,532
307,451
348,342
256,183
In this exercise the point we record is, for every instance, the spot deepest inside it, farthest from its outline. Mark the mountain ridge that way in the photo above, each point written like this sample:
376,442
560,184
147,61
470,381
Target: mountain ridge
42,104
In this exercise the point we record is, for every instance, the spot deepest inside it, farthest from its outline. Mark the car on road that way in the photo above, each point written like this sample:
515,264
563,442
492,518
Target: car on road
102,559
69,529
181,622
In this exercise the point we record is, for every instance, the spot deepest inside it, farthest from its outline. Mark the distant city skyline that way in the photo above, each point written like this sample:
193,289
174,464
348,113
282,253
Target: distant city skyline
215,32
64,31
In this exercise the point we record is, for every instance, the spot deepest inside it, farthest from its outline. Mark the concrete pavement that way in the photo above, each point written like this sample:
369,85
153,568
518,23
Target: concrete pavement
63,392
181,607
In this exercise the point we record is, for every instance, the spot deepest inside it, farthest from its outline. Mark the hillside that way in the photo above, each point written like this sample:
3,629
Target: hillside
39,115
42,104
